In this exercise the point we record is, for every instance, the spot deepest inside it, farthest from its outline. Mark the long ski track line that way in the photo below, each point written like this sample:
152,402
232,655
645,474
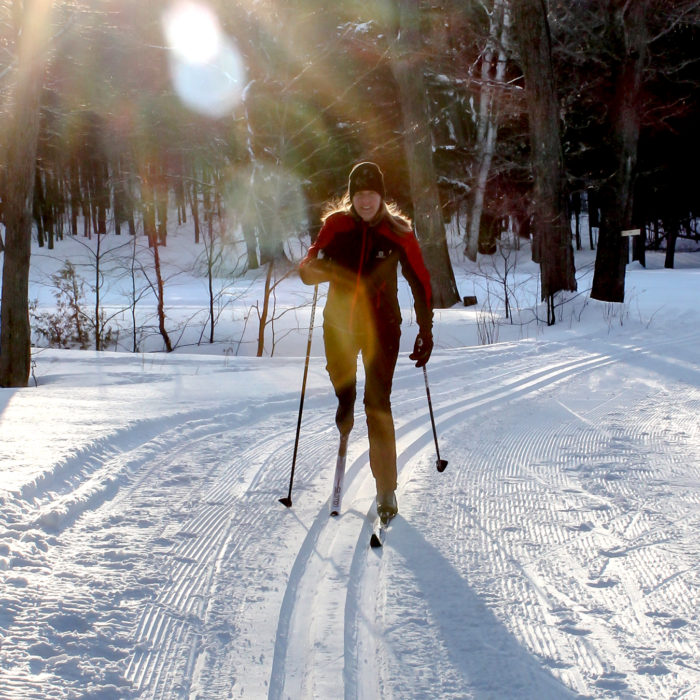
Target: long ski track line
553,556
215,531
365,671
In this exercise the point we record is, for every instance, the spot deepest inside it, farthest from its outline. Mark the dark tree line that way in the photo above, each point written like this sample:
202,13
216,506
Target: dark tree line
628,78
508,110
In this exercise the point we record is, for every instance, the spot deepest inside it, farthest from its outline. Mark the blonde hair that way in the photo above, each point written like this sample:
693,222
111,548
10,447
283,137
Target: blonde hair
388,211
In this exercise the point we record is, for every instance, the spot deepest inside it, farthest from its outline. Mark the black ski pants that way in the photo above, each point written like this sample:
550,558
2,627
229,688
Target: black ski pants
380,350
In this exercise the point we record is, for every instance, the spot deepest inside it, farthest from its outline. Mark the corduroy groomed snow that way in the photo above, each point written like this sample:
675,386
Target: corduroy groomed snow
366,176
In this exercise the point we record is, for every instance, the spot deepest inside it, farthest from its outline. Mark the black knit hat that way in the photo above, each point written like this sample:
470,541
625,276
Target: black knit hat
366,176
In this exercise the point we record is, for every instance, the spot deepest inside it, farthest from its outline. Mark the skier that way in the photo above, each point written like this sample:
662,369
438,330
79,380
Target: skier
358,249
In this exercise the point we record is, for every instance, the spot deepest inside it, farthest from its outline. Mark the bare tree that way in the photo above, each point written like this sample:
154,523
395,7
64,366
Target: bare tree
33,17
553,246
627,35
160,294
408,68
493,65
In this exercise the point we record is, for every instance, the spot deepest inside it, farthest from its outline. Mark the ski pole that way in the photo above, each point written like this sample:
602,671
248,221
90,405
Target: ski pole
287,501
440,464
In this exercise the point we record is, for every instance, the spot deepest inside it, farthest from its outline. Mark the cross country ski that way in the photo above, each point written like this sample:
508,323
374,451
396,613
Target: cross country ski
379,531
337,493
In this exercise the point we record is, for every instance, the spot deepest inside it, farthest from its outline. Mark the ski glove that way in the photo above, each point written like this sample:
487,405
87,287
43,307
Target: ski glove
316,271
422,348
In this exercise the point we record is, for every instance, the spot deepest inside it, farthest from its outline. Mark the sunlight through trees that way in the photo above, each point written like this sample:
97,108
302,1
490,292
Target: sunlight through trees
248,115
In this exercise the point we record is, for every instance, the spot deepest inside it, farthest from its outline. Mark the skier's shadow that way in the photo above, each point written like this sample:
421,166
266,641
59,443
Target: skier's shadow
5,398
491,661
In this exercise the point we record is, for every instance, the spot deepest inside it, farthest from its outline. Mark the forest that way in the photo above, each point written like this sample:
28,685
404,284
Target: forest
244,118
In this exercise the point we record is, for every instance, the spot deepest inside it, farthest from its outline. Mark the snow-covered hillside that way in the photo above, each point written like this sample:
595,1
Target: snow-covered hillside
144,553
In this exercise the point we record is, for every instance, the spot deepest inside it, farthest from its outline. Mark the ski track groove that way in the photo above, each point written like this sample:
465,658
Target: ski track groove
69,515
135,458
543,446
625,494
311,574
206,538
335,581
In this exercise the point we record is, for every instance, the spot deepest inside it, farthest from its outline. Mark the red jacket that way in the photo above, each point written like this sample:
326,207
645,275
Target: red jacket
360,261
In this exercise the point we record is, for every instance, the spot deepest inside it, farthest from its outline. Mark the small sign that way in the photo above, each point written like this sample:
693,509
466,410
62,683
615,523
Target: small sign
632,232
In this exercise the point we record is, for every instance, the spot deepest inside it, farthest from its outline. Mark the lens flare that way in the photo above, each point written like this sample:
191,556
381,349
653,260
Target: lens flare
206,69
192,32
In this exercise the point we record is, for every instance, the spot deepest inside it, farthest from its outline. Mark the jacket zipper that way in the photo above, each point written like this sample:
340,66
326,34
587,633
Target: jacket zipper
363,251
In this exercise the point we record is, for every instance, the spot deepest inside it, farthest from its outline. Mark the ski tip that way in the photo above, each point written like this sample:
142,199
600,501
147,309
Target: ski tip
335,513
286,502
374,541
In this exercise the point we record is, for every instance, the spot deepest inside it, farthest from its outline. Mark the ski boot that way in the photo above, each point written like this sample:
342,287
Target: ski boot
387,507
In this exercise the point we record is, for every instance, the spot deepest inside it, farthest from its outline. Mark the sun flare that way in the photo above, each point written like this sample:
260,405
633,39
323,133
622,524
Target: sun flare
192,31
206,68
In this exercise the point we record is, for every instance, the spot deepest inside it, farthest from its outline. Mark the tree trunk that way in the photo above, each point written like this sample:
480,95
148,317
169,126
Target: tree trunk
160,294
251,243
194,204
210,273
148,206
639,247
551,227
51,213
161,202
123,206
593,218
627,28
75,197
265,310
38,207
488,118
101,195
23,130
671,227
269,193
98,296
576,211
430,228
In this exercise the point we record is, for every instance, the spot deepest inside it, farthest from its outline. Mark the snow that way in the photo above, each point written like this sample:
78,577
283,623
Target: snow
144,552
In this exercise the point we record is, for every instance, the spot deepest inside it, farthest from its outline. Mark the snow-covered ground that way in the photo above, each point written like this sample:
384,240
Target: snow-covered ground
144,552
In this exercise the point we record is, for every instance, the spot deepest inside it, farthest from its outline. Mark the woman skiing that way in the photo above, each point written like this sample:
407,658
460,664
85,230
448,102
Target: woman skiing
358,250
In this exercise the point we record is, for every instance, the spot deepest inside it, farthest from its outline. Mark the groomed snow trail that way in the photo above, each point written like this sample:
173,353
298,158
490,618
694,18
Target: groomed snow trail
556,557
539,566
